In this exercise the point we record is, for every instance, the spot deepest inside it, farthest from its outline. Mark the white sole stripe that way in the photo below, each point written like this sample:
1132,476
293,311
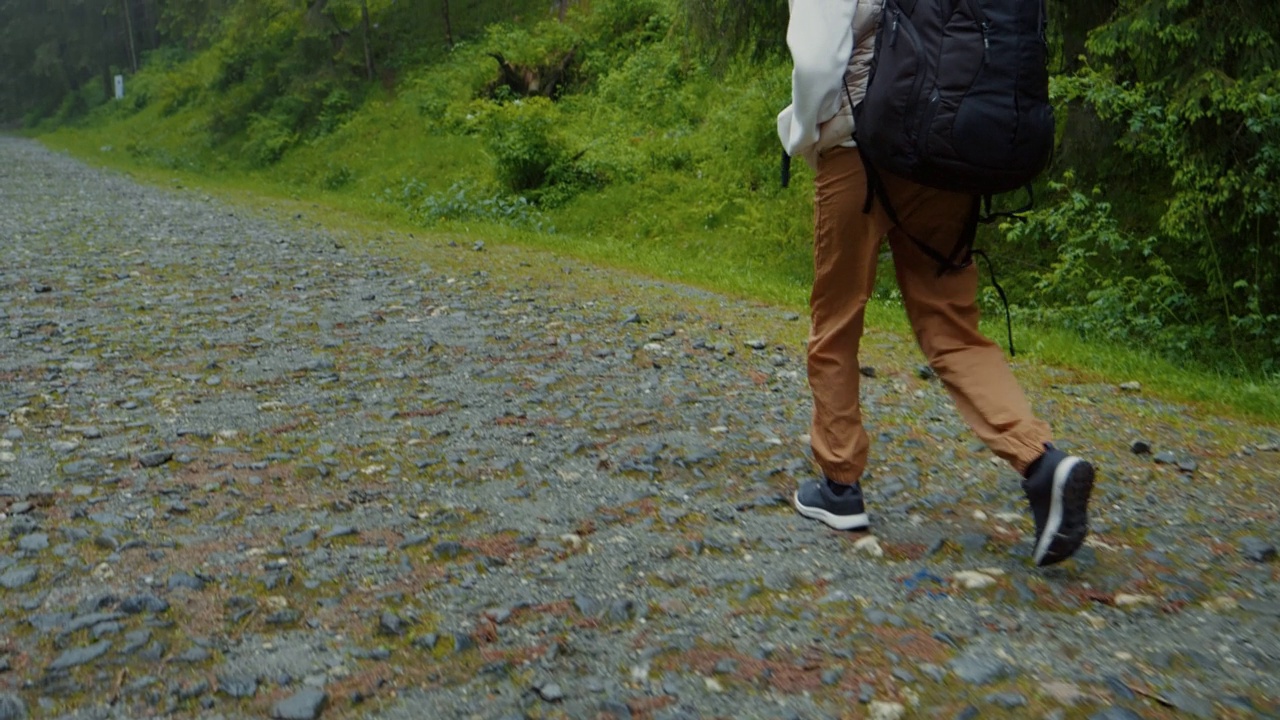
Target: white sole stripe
1054,522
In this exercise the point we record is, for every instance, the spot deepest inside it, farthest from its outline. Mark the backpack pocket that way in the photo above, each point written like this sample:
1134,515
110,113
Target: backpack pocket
899,77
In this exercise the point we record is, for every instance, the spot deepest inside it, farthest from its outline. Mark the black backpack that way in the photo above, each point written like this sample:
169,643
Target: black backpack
958,95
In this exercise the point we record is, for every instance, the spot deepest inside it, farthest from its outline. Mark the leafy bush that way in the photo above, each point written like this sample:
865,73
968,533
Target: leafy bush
267,139
465,201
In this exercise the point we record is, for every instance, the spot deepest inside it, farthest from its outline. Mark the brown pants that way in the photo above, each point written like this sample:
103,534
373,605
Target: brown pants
943,312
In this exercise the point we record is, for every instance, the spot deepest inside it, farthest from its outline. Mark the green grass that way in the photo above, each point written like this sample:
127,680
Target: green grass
604,232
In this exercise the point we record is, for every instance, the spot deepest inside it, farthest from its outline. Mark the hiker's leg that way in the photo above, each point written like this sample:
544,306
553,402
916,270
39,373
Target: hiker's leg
944,314
846,242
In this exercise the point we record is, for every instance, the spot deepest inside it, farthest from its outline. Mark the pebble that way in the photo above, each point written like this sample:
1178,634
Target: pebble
551,692
879,710
869,545
973,580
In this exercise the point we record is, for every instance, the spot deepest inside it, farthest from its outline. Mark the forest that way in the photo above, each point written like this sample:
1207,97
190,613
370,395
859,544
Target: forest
643,131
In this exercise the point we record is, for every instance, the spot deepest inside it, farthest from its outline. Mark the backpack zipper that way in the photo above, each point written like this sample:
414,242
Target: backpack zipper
986,41
893,29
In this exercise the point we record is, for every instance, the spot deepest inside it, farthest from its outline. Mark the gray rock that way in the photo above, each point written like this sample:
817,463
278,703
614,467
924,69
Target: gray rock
968,713
1008,700
1115,713
33,542
305,705
238,686
551,692
82,468
1140,447
1257,550
1190,704
300,539
18,577
135,641
973,543
1261,607
155,458
448,550
1165,457
144,602
391,624
414,540
614,710
185,580
12,707
620,611
80,656
193,655
340,531
978,667
588,606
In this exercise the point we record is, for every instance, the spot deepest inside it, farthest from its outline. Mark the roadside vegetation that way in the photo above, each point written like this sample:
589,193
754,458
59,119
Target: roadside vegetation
639,134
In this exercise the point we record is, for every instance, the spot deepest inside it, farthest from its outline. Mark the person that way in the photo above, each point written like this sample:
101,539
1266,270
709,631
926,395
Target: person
832,43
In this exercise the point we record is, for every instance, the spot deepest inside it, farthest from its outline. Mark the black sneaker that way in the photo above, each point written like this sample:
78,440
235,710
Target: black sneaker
1058,491
841,510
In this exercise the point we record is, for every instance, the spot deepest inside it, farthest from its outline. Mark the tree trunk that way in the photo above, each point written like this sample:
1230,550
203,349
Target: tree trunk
368,50
128,27
448,27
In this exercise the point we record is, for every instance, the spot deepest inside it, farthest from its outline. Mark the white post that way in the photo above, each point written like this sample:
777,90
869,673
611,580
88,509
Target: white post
119,87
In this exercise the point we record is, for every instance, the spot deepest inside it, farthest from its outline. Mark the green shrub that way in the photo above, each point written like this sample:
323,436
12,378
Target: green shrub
520,139
267,139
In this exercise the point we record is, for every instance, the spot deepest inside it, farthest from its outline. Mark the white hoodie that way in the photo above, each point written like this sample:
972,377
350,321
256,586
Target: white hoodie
831,43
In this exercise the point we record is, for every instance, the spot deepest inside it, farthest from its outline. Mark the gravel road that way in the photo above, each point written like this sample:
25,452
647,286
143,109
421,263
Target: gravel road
254,467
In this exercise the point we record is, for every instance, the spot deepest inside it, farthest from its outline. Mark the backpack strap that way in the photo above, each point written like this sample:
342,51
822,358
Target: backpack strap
986,217
961,255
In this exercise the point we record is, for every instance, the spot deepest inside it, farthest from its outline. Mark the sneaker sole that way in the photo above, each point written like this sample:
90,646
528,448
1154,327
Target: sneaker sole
1068,522
839,522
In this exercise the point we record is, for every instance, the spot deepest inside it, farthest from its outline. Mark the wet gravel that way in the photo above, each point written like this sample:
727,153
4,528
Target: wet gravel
255,467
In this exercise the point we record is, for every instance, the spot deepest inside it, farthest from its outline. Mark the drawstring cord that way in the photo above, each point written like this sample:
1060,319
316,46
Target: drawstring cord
1008,318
